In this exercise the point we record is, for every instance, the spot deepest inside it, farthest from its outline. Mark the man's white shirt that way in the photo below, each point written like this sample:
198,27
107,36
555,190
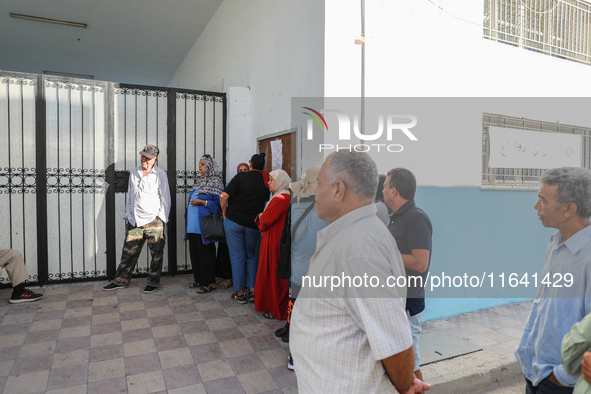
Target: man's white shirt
147,196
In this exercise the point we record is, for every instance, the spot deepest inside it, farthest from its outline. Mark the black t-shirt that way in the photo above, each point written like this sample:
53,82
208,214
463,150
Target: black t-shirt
248,195
412,229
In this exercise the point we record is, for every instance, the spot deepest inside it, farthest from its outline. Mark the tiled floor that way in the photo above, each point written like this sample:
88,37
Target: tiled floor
81,339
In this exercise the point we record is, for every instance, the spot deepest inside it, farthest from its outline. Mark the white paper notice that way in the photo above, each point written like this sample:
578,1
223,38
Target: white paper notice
277,154
513,148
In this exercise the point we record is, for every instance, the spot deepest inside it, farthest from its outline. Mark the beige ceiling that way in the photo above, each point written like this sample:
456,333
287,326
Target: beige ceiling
128,41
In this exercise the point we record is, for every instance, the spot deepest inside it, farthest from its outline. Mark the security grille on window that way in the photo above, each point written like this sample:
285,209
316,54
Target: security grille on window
560,28
517,151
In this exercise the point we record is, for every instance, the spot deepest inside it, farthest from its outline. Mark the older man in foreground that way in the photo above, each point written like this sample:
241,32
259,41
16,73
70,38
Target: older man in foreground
352,336
563,297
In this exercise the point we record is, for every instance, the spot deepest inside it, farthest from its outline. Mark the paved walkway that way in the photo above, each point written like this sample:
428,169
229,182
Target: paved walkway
81,339
498,331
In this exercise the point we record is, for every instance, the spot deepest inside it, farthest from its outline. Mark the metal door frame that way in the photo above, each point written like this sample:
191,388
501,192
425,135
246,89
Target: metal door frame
41,184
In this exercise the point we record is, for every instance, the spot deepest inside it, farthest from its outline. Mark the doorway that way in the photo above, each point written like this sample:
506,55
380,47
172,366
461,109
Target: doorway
280,151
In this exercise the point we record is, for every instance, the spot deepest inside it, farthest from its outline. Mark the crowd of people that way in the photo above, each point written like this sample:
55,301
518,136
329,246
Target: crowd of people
343,219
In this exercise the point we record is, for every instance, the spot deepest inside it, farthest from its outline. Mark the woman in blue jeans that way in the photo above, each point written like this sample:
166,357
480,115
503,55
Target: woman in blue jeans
242,200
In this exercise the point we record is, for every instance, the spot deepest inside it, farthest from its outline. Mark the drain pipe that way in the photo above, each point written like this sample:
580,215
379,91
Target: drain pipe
362,117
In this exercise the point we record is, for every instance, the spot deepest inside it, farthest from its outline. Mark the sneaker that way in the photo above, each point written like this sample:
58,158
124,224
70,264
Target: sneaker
26,296
150,289
113,286
241,299
251,296
290,362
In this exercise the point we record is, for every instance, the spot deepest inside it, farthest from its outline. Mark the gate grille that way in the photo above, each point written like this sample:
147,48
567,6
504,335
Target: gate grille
66,149
18,185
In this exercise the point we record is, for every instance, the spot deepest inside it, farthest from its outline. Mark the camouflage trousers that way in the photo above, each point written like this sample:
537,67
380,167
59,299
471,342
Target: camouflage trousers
135,237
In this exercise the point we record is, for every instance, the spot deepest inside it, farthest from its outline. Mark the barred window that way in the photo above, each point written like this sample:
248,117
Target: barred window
559,28
520,178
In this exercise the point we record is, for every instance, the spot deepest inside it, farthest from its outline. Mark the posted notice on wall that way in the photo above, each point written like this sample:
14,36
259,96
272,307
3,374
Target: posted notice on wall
277,155
514,148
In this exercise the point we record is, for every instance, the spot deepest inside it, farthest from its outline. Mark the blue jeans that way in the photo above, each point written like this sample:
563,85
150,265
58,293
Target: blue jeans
242,242
415,329
546,387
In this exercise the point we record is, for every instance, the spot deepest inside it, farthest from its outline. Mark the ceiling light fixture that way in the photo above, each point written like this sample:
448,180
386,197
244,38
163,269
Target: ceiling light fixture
68,74
47,20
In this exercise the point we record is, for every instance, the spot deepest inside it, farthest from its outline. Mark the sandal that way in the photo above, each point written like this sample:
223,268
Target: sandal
267,315
206,289
225,284
194,285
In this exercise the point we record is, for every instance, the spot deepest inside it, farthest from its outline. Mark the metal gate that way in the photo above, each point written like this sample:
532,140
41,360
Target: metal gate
66,149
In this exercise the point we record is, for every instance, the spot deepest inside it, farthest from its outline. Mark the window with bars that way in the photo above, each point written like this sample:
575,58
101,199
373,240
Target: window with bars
524,177
560,28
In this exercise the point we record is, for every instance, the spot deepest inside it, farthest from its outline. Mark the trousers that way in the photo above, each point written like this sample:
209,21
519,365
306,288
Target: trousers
135,237
14,263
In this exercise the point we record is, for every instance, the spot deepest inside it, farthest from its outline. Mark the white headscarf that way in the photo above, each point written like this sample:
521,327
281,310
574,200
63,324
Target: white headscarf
306,185
281,183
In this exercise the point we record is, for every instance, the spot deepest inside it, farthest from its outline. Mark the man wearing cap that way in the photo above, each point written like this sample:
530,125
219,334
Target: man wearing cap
146,211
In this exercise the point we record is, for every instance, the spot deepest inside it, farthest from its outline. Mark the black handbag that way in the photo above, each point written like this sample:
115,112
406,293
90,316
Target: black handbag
284,263
213,225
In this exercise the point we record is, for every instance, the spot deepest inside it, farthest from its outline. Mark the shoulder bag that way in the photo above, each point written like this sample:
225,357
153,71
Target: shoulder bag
213,225
284,263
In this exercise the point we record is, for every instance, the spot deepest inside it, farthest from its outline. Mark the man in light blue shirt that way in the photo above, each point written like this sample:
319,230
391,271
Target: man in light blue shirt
564,289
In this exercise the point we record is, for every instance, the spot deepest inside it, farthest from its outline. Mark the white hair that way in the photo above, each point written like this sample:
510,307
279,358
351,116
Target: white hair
356,170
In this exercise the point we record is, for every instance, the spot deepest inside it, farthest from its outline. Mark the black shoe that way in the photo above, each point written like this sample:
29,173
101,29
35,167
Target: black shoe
281,332
26,296
251,296
290,362
113,286
285,338
241,299
150,289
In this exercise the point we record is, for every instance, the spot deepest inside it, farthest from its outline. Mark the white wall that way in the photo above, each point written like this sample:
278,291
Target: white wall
414,49
239,120
274,48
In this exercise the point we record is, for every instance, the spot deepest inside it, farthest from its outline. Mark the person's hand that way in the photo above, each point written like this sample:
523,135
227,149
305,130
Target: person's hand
418,386
554,380
196,201
586,371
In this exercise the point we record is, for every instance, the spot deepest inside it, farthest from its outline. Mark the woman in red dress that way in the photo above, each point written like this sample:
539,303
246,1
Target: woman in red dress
271,292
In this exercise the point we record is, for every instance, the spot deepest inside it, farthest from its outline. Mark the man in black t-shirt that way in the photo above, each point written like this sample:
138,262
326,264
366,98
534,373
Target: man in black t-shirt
411,228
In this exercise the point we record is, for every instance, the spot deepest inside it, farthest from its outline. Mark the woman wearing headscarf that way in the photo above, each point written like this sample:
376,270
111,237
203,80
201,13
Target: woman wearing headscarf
271,292
203,201
242,167
242,200
303,243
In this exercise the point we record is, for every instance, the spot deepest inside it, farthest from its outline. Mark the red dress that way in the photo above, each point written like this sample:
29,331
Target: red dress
271,294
